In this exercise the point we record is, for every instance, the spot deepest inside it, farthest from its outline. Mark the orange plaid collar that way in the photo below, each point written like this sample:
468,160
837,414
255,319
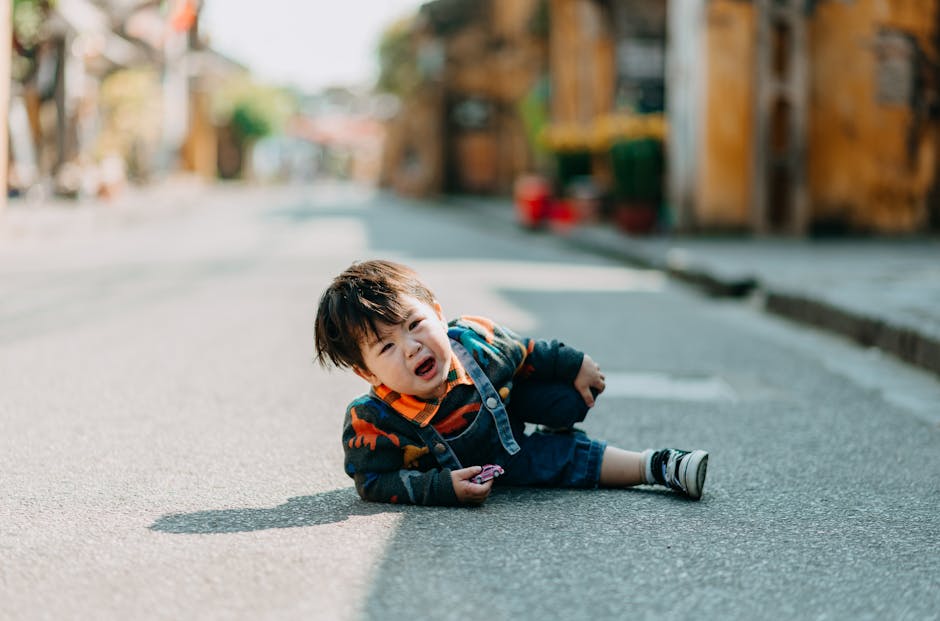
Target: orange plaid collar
418,410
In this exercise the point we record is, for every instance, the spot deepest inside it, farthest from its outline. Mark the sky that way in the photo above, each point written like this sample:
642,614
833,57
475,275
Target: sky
306,43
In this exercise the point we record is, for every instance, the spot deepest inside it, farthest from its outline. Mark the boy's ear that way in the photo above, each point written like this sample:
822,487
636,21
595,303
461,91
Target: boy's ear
366,375
439,309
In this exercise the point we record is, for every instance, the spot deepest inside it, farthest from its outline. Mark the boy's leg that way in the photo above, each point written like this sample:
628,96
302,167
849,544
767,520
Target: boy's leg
553,404
682,471
622,468
568,459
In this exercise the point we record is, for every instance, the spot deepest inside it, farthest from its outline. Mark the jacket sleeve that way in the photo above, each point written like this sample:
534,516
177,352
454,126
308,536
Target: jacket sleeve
531,358
546,360
375,459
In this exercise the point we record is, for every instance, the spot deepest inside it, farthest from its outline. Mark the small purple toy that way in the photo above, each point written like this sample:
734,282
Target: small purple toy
490,471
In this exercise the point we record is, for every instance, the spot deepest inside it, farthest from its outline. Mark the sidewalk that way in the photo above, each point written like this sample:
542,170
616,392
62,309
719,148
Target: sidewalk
26,222
882,293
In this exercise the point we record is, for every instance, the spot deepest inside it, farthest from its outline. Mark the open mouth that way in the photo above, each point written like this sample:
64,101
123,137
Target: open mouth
426,369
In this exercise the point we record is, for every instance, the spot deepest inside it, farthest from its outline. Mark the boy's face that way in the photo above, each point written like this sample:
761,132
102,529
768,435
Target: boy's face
413,357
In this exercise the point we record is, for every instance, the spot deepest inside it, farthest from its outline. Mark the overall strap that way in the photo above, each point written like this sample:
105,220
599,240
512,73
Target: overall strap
488,396
439,447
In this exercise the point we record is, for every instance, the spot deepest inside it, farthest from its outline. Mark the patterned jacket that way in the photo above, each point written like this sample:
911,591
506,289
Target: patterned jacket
385,455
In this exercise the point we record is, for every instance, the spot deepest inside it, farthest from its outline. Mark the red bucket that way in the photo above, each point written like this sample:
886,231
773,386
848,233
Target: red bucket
532,199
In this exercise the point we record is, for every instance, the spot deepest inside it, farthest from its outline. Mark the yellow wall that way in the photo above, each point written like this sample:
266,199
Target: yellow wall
199,151
510,20
861,168
581,62
869,164
725,159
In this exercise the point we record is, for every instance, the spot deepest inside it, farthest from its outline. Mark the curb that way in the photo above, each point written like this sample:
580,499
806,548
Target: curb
616,246
903,342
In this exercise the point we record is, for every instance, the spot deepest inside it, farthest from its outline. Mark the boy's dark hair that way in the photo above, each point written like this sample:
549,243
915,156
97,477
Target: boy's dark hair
364,294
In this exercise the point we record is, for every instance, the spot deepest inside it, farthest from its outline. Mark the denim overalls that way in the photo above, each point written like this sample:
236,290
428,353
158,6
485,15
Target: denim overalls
496,436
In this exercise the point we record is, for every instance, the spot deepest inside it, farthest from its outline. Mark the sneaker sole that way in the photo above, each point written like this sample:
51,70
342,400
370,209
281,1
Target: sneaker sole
694,467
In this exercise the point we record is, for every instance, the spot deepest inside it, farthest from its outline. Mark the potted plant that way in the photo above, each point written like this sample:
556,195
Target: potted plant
571,145
637,164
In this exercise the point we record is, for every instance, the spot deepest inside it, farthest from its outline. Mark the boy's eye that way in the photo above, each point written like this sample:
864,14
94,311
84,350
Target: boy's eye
385,348
414,324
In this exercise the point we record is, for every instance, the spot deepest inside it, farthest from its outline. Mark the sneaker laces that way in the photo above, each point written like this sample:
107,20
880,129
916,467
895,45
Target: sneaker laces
665,467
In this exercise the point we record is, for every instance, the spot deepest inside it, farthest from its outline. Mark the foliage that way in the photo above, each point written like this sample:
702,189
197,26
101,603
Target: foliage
27,21
398,62
637,165
28,17
540,24
254,110
534,112
603,132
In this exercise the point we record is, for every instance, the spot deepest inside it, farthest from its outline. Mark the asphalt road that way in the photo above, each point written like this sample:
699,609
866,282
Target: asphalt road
169,451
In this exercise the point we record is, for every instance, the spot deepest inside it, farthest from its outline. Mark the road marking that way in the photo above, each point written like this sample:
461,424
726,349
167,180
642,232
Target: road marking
481,284
912,389
668,387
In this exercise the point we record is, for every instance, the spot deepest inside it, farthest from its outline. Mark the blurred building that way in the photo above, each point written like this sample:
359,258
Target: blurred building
55,96
337,132
110,90
771,116
796,117
460,128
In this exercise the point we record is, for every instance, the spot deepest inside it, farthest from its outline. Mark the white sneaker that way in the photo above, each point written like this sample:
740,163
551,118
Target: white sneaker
683,471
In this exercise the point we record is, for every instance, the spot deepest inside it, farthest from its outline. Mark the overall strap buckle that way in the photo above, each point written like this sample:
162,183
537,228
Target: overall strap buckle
489,397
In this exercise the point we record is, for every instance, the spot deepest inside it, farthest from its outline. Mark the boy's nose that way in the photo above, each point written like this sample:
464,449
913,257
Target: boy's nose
413,348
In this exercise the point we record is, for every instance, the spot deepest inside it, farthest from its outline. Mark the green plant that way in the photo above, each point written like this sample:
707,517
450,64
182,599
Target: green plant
540,22
398,62
533,110
253,110
638,170
27,16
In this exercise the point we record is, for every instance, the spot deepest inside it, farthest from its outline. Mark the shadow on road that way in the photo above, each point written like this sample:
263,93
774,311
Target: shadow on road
326,508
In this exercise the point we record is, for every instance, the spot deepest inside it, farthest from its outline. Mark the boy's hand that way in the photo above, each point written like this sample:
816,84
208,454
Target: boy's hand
467,491
589,376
